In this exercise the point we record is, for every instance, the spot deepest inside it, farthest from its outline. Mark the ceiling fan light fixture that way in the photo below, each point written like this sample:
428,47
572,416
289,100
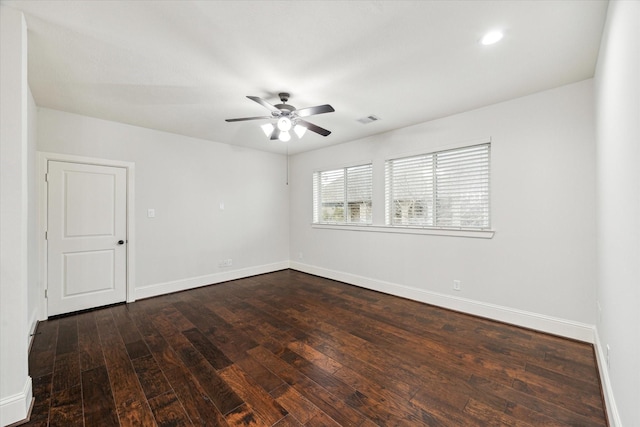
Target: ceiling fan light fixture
284,124
268,129
299,130
285,117
284,136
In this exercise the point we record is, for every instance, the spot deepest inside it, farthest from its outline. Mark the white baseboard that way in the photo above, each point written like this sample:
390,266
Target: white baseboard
612,409
209,279
16,407
525,319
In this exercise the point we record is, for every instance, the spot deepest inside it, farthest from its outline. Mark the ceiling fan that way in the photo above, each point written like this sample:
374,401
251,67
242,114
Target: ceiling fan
288,118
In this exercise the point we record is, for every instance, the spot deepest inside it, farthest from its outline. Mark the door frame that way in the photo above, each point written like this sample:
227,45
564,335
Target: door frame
43,207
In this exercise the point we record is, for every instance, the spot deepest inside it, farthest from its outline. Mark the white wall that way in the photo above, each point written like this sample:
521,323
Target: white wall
618,210
34,293
15,384
185,180
539,268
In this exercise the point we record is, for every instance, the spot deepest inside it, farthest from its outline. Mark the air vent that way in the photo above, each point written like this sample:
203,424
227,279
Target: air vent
368,119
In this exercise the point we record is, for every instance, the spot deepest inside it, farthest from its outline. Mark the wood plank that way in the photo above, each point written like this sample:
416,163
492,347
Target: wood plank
319,359
42,405
168,411
137,349
150,376
162,352
98,404
295,404
130,401
231,340
213,354
376,411
243,416
66,408
135,413
328,403
198,406
491,416
522,403
113,347
266,379
321,420
124,322
67,335
42,354
125,386
566,392
217,390
287,421
355,353
89,345
203,319
403,409
177,319
66,373
264,406
186,352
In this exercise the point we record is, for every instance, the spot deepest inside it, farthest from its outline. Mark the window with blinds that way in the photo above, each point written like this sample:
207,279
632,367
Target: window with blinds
343,196
445,189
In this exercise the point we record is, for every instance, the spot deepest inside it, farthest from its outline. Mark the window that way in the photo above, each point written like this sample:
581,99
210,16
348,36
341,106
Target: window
445,189
343,196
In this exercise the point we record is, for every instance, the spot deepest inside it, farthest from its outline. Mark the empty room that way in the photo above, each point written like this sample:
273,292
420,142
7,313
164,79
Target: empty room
320,213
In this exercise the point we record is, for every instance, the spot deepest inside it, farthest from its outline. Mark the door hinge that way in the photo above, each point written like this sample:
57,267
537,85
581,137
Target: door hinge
46,177
45,294
46,235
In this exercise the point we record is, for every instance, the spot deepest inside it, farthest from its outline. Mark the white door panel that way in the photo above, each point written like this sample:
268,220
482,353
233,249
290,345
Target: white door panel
86,221
79,272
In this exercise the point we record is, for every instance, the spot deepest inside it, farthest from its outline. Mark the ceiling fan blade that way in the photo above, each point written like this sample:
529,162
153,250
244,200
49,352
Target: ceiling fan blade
275,134
310,111
248,118
264,103
314,128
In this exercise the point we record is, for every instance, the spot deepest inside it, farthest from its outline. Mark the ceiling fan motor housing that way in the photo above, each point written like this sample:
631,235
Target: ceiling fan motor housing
284,97
286,107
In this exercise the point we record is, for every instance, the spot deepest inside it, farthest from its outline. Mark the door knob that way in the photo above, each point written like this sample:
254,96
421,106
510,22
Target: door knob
121,242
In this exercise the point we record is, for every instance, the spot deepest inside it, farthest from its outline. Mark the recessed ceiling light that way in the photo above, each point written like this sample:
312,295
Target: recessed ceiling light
491,37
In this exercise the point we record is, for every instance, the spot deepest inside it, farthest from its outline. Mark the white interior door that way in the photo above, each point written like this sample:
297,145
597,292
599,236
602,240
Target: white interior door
86,236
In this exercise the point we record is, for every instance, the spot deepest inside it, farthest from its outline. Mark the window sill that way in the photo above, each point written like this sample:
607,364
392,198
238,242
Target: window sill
477,234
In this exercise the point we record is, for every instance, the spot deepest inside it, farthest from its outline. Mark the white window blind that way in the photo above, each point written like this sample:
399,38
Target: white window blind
445,189
343,196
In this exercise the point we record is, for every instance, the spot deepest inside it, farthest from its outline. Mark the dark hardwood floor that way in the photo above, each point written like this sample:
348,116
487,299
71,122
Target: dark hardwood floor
288,348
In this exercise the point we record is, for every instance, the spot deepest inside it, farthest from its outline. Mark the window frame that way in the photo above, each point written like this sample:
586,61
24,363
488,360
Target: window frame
422,225
318,216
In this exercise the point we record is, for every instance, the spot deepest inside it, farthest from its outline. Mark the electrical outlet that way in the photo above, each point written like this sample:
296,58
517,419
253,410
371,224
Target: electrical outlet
456,285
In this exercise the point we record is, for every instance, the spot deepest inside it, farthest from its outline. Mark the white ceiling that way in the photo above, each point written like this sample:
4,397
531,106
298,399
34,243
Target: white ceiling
185,66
